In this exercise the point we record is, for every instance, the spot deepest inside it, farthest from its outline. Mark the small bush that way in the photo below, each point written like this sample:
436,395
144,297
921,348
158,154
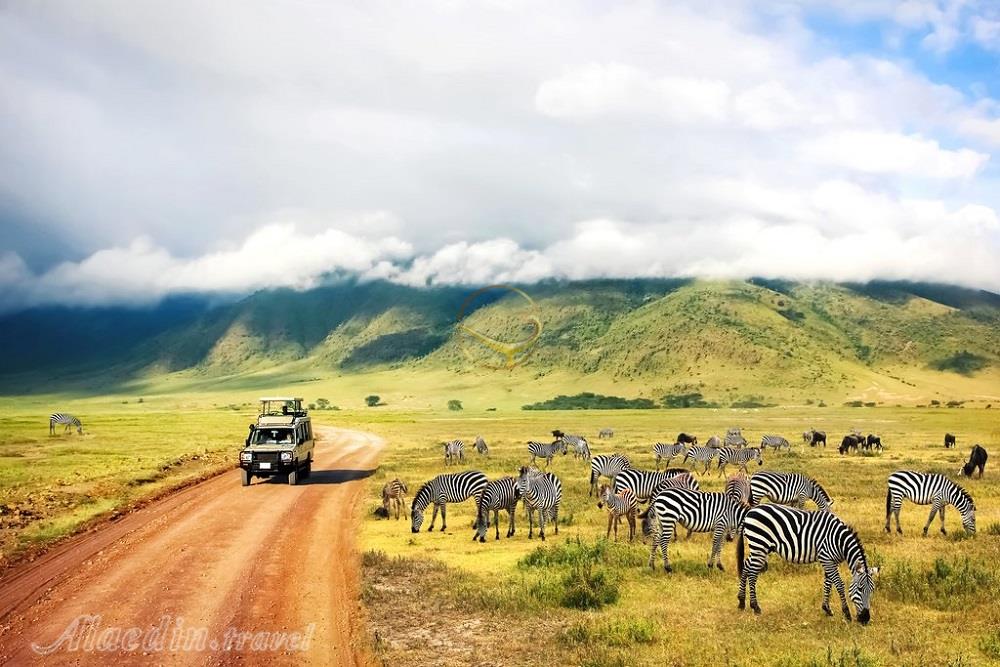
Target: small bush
990,645
591,401
692,400
993,528
853,404
572,552
616,632
454,405
945,585
373,400
963,363
589,587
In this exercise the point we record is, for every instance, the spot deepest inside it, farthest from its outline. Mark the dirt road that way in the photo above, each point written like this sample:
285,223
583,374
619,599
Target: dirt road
199,577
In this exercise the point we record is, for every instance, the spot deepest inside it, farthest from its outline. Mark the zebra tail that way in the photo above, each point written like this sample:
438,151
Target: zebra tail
740,552
888,503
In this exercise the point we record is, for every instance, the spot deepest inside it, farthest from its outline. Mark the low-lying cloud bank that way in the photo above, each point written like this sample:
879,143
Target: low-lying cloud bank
838,233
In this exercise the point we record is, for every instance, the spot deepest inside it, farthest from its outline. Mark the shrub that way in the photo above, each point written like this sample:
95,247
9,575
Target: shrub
322,403
455,404
853,404
373,400
615,632
591,401
945,585
963,363
692,400
589,587
990,645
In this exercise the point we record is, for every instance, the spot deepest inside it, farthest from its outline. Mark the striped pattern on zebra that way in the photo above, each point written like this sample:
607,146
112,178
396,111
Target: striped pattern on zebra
443,489
700,455
581,448
500,494
734,438
481,446
928,489
775,442
394,496
800,536
788,488
454,452
682,480
667,451
545,450
643,483
541,491
67,420
739,457
623,503
606,465
719,513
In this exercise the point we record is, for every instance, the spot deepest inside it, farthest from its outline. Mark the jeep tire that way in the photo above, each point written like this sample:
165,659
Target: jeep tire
293,476
245,476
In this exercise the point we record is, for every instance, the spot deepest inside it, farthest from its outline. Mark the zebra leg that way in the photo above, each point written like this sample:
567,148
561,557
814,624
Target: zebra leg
531,522
611,519
757,562
631,525
935,507
444,516
510,515
658,462
555,517
716,555
541,523
434,517
496,522
941,513
896,509
666,536
832,575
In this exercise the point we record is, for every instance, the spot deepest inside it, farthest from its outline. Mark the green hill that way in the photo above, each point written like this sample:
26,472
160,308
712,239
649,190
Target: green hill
729,341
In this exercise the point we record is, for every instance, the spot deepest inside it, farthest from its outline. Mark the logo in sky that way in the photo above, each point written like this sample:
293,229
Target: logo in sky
500,345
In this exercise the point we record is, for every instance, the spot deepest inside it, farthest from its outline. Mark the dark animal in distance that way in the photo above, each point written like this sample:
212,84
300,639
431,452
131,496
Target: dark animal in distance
850,442
687,439
871,443
977,459
949,440
814,437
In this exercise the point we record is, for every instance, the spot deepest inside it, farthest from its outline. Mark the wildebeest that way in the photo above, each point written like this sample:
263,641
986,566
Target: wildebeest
714,442
686,439
814,437
977,459
850,442
949,440
873,442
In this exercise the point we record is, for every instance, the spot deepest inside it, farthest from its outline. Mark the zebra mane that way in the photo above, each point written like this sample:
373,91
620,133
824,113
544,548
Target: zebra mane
426,487
818,486
853,534
964,494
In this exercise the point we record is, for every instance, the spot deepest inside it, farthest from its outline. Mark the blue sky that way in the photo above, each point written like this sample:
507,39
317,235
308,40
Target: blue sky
155,149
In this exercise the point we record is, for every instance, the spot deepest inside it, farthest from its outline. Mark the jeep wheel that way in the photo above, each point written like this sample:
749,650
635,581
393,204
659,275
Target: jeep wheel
245,476
307,471
293,477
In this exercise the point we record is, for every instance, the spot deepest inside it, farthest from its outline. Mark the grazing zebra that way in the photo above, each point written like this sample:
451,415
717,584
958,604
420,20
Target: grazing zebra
734,438
581,449
541,491
643,483
714,442
719,513
799,536
668,452
500,494
623,503
775,442
545,450
606,465
606,433
788,488
394,495
454,452
443,489
700,455
740,457
481,446
69,421
928,489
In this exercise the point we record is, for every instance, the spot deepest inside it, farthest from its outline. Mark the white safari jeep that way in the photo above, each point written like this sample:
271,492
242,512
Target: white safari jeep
280,443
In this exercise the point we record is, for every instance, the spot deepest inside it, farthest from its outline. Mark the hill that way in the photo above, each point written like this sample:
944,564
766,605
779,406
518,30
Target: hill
729,341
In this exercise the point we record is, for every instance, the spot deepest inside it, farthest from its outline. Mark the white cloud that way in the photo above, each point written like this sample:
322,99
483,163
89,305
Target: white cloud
890,153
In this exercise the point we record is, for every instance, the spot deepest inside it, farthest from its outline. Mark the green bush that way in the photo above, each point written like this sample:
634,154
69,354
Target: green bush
990,645
945,585
591,401
454,405
589,587
692,400
963,363
615,632
853,404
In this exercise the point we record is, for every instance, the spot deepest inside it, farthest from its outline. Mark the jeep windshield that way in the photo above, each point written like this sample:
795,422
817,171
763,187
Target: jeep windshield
272,436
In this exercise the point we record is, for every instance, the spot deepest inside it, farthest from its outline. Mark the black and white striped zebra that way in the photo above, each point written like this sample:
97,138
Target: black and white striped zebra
481,446
788,488
800,536
67,420
545,450
446,488
700,455
682,480
579,444
394,497
734,438
621,504
928,489
606,465
667,451
739,457
500,494
541,491
454,452
644,483
719,513
775,442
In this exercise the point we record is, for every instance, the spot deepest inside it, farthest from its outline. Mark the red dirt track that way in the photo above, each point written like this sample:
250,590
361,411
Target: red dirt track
268,558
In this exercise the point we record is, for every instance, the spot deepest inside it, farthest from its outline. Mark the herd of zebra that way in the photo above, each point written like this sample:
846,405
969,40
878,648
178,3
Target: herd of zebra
673,499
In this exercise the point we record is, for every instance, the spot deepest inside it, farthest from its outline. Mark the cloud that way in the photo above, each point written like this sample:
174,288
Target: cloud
890,153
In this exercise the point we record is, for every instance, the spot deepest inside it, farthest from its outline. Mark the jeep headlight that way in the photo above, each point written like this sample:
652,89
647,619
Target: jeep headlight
286,456
246,457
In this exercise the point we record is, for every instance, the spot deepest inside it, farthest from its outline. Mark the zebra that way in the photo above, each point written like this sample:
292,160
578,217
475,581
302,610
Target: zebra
775,442
394,495
668,452
714,442
788,488
606,433
606,465
700,455
928,489
734,438
481,446
69,421
545,450
581,449
800,536
541,491
682,480
643,483
443,489
623,503
740,457
454,451
720,513
500,494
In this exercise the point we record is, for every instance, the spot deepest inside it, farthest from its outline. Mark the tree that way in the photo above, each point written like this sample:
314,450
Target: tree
312,406
322,404
373,400
455,404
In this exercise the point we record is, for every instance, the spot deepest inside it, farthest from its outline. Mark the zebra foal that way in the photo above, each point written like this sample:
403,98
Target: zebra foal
500,494
394,496
619,504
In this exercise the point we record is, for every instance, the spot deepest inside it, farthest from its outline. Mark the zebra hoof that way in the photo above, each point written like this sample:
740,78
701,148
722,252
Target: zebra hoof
826,609
925,532
667,568
847,614
742,603
944,532
482,540
887,529
719,565
756,609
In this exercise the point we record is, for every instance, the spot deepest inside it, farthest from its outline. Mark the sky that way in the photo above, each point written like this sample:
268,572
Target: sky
150,149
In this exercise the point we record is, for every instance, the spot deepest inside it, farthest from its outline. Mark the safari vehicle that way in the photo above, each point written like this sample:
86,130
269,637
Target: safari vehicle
280,443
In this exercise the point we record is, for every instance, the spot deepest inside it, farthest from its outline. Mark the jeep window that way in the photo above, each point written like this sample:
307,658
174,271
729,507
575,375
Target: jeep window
273,436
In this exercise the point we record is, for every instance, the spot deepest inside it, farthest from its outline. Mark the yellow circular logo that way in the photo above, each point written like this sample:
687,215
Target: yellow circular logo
500,354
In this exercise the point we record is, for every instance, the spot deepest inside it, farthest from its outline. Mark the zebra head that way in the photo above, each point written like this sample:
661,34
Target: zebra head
820,496
416,519
602,495
759,459
963,502
862,587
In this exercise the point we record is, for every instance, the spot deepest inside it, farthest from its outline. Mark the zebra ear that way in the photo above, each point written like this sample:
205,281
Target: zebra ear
874,571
